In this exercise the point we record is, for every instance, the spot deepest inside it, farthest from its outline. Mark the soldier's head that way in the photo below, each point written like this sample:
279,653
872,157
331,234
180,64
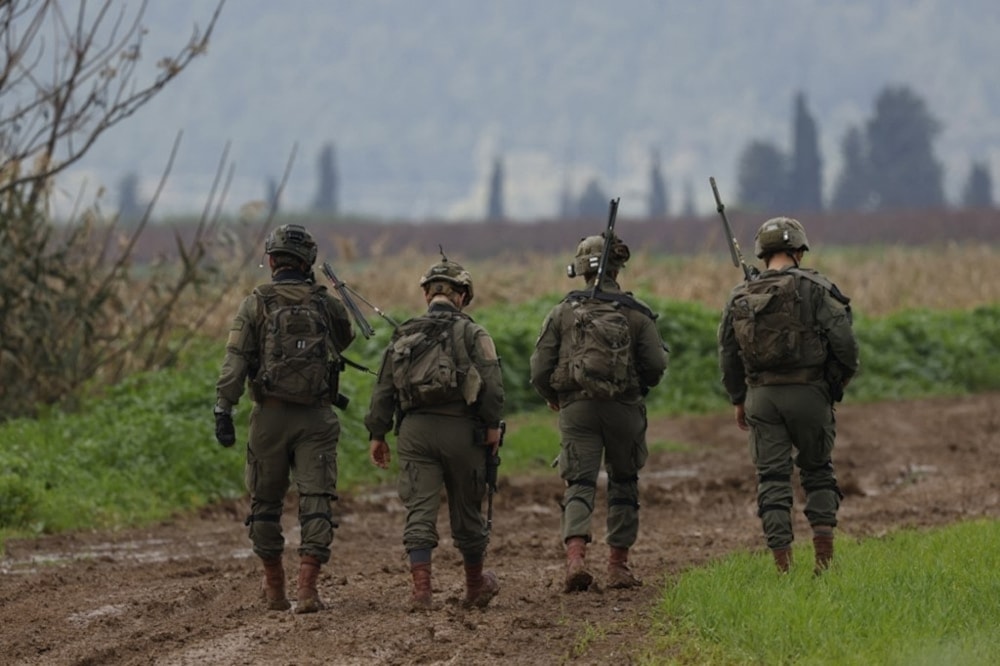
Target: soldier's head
588,257
782,235
449,279
292,246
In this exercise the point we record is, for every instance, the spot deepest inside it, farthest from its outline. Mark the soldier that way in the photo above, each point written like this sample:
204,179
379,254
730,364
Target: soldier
594,361
786,351
285,343
440,381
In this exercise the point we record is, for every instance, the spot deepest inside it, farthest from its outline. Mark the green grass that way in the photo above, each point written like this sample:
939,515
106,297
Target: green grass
927,597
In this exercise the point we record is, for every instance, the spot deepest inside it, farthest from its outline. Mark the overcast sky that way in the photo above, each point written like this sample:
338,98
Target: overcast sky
420,97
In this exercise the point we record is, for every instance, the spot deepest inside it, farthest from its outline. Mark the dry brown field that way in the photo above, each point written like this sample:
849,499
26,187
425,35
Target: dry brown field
879,282
885,262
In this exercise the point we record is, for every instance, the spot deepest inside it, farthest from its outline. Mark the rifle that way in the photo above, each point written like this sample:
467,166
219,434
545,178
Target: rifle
492,467
609,237
352,307
749,272
340,400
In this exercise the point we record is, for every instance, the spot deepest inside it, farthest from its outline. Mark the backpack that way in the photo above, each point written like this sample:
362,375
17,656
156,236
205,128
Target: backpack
428,368
768,324
600,359
295,361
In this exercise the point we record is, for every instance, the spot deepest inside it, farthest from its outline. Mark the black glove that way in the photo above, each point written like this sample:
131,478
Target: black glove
225,430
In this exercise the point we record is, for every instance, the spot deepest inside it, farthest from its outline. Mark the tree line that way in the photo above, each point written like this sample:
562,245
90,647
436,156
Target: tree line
887,163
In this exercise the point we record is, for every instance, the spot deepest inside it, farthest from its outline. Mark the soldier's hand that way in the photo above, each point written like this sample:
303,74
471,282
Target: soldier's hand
378,453
493,439
741,417
225,430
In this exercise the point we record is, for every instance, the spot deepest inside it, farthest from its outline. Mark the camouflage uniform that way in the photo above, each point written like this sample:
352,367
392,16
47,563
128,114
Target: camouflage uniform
790,412
442,445
591,428
285,438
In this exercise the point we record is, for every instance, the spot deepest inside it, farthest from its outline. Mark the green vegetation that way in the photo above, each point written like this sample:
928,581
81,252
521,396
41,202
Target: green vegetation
143,449
910,598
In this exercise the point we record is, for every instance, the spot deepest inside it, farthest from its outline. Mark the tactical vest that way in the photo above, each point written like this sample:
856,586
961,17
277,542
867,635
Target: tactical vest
774,324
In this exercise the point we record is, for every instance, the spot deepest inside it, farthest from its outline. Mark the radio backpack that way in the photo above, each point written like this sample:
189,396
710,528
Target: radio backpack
600,359
295,352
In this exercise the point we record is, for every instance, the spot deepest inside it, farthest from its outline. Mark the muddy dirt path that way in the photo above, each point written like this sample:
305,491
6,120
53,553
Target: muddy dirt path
185,592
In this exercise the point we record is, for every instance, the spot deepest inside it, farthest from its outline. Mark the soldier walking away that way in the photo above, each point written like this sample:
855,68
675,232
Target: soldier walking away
597,355
285,344
440,383
787,351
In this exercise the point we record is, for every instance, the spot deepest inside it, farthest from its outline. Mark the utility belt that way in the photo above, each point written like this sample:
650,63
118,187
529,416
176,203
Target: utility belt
453,408
274,403
792,376
629,398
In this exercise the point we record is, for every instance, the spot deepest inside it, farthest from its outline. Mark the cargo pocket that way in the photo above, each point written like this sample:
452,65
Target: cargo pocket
640,451
407,482
251,473
569,463
328,463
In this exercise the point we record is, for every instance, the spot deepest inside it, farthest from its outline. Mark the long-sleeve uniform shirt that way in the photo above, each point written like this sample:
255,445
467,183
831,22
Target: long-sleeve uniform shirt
826,314
552,351
244,345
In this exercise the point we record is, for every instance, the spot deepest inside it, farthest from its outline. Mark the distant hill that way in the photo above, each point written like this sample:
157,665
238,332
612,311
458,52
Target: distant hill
420,97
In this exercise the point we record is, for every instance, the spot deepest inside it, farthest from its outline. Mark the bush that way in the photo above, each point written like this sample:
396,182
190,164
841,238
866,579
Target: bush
18,499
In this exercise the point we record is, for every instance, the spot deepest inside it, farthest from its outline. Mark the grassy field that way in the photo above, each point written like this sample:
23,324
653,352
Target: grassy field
909,598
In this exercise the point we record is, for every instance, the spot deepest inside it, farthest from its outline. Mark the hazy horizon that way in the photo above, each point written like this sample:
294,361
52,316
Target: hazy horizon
420,98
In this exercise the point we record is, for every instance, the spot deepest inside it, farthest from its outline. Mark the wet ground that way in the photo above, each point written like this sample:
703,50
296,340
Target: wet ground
186,592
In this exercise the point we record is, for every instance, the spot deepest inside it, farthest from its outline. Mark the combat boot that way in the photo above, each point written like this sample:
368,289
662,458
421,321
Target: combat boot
480,586
578,578
308,595
421,573
273,585
782,558
823,545
619,575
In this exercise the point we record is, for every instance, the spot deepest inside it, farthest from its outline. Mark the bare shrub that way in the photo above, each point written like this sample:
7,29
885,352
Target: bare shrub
73,307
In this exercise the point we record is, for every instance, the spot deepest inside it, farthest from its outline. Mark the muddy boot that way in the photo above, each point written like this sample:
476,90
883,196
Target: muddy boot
480,586
782,558
273,586
578,578
421,573
619,575
308,596
823,544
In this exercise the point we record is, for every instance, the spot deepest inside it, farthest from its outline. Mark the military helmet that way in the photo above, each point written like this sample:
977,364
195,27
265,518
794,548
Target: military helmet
588,255
452,273
292,239
780,234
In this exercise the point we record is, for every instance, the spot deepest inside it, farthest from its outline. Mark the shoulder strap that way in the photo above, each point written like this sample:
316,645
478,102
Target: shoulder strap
266,296
822,281
623,299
